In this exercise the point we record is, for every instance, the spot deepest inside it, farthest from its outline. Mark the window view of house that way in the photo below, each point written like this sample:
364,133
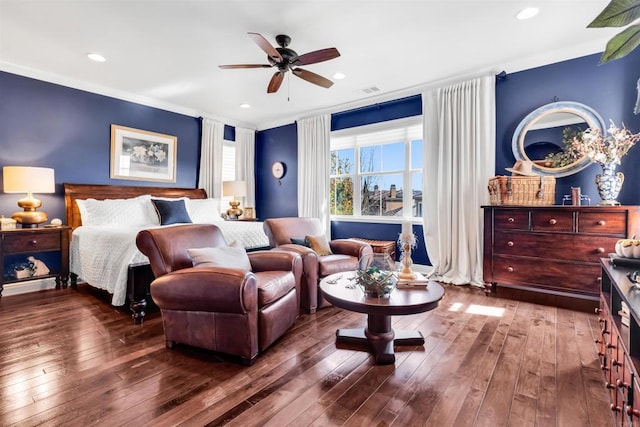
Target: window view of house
377,174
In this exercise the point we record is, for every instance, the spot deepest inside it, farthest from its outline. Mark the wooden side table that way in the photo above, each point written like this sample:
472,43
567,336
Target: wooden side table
381,246
33,241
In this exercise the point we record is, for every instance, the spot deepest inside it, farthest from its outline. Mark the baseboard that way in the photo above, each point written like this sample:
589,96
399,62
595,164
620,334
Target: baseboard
30,286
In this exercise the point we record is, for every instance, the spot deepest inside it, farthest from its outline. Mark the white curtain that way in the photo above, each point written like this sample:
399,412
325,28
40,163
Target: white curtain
459,159
314,155
245,161
211,158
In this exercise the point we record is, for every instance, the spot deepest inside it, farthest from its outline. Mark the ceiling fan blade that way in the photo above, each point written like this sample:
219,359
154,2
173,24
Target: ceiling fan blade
245,66
275,82
317,56
266,46
314,78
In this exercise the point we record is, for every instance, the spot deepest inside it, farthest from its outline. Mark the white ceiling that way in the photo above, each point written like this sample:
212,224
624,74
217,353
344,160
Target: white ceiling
165,53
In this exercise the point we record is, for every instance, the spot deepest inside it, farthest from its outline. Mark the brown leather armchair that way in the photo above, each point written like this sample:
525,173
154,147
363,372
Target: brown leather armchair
345,257
227,310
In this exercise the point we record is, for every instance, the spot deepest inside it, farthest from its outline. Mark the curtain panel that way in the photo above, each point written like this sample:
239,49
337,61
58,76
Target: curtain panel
314,159
210,177
245,161
458,159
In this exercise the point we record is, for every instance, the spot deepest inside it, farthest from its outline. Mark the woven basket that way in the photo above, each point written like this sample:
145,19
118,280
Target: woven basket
522,190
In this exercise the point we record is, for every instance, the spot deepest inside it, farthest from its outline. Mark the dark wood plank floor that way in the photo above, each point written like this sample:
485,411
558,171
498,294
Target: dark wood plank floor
68,358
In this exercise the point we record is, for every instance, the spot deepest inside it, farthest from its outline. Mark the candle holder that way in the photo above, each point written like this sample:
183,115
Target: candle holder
407,242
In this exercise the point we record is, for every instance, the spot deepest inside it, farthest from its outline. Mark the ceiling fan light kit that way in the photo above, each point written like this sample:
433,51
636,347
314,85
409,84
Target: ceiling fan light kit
286,59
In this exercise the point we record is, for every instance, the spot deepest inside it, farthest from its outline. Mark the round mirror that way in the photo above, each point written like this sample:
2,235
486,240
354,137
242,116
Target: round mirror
544,137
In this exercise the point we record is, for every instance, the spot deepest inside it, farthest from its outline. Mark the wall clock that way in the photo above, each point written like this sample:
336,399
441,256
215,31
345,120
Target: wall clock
277,170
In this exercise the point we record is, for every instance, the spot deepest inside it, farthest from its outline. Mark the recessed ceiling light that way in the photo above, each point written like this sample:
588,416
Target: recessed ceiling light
339,76
96,57
245,106
527,13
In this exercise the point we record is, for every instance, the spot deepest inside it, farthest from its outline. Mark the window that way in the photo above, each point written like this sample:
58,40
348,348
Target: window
371,166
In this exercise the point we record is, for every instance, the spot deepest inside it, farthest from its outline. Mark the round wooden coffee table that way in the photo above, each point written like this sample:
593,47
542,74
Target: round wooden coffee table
341,290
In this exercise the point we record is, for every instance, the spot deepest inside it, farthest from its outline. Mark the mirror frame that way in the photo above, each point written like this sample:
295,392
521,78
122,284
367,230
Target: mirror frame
590,116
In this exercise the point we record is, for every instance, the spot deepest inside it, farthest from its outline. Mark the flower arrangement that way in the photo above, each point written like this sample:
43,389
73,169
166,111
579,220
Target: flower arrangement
605,149
149,154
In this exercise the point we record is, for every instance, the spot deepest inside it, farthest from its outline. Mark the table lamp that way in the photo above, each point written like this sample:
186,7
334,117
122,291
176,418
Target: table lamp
234,189
25,179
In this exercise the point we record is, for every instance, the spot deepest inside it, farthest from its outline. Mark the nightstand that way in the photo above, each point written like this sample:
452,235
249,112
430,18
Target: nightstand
51,244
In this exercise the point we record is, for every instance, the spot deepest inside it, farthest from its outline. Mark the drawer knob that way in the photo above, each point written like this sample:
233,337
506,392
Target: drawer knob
621,384
632,412
611,346
509,243
510,269
614,362
615,408
600,250
511,220
552,221
601,222
33,242
598,310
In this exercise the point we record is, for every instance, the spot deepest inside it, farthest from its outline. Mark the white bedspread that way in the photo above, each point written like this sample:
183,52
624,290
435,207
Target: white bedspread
100,256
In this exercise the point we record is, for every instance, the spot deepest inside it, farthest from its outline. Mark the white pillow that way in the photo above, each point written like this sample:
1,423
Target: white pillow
137,211
223,256
204,211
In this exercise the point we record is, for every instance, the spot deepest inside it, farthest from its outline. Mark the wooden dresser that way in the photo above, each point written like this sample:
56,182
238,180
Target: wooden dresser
551,253
619,344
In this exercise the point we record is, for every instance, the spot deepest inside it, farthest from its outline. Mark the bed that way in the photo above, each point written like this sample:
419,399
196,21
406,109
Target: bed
102,250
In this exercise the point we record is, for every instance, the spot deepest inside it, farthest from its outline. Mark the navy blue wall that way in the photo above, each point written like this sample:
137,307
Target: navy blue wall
69,130
277,199
610,89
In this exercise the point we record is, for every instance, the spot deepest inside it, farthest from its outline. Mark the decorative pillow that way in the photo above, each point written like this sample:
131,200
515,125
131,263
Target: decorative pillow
116,212
171,211
223,256
319,244
299,241
204,211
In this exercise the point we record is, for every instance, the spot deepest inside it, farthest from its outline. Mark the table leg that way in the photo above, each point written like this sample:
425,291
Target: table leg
380,337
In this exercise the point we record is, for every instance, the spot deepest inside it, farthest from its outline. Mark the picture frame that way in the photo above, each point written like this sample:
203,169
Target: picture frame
142,155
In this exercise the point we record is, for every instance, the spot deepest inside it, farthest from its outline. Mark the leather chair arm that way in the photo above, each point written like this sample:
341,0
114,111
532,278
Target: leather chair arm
351,247
212,289
273,260
304,251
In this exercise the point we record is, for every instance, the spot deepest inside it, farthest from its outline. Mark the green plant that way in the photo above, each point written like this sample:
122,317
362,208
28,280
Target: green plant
619,13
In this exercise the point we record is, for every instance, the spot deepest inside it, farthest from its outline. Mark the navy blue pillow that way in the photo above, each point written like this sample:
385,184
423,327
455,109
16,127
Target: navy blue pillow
300,241
171,211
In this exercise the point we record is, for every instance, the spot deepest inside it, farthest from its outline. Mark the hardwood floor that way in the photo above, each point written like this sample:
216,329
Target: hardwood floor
68,358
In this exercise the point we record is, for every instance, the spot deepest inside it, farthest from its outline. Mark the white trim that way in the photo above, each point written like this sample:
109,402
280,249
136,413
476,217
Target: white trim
35,285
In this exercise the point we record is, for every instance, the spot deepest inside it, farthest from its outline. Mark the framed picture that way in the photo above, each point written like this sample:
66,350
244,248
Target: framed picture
142,155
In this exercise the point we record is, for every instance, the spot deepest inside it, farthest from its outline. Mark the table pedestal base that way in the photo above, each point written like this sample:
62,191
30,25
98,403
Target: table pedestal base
380,337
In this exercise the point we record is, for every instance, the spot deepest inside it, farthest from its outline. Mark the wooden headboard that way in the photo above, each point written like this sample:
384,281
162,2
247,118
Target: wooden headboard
101,192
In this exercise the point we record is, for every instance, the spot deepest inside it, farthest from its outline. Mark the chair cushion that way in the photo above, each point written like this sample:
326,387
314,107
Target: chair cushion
319,244
223,256
336,263
273,285
171,211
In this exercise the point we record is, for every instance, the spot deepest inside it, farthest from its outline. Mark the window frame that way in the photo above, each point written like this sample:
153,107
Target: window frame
361,136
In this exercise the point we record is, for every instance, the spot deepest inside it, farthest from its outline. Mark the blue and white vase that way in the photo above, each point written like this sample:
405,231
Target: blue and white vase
609,184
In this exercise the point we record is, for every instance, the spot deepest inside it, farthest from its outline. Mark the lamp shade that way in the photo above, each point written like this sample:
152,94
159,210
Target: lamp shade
26,179
234,188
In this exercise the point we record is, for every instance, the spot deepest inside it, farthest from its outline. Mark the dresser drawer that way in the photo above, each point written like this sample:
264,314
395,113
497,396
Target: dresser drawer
36,241
552,220
612,223
545,274
511,220
570,247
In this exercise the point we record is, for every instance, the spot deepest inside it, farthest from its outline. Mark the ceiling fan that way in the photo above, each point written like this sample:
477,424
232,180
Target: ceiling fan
287,59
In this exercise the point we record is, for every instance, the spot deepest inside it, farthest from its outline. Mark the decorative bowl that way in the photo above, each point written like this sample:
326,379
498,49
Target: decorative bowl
376,275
